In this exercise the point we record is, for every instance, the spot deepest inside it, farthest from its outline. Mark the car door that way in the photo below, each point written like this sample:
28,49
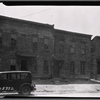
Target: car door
5,84
16,80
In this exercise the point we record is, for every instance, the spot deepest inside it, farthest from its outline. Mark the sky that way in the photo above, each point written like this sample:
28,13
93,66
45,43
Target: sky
81,19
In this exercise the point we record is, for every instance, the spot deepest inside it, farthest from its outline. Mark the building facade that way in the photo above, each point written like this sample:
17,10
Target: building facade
95,61
47,52
72,55
26,45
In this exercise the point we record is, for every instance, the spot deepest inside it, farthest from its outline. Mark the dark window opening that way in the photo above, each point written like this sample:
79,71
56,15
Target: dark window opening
72,68
13,43
98,67
46,66
46,44
61,47
0,40
35,43
24,65
82,69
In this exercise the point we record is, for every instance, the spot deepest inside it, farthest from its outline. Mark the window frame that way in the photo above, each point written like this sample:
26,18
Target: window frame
46,66
72,67
61,47
72,47
82,67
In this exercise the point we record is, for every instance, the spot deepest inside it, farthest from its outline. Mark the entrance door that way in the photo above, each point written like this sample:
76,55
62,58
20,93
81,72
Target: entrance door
57,67
24,64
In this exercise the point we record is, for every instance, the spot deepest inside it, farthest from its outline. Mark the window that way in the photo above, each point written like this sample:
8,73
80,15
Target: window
72,68
13,41
24,75
61,47
4,76
35,65
18,75
46,66
82,69
0,40
72,47
13,64
0,62
13,76
83,48
34,43
46,44
13,61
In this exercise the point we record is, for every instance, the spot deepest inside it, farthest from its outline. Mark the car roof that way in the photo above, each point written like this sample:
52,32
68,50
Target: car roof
14,72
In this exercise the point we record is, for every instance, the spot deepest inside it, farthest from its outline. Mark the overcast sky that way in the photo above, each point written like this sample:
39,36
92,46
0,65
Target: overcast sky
82,19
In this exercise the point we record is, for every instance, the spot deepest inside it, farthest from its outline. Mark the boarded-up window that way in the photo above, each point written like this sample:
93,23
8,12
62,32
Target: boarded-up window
72,67
82,69
46,66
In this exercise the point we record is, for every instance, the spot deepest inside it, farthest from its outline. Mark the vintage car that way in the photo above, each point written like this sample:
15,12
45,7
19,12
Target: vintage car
18,81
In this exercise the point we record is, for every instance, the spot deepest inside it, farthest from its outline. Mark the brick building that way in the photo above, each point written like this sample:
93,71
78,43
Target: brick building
45,51
26,45
95,55
72,55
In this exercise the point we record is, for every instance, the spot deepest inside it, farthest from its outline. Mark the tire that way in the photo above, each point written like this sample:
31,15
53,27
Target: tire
25,90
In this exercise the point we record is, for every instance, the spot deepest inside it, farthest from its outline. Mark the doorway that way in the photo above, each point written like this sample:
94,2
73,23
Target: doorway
23,64
57,67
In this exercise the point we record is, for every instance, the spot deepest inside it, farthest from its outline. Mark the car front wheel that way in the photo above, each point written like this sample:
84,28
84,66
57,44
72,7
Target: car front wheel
25,90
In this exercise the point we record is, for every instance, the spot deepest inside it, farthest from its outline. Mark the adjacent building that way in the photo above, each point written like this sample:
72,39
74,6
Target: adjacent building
47,52
95,55
72,55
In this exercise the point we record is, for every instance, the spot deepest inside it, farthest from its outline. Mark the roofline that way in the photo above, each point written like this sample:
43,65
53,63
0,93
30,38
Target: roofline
27,21
74,33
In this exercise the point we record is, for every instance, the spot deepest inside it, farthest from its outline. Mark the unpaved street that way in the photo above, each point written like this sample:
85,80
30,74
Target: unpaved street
81,89
68,90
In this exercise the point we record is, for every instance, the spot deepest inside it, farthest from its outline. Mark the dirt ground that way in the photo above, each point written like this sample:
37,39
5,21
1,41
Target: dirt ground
65,87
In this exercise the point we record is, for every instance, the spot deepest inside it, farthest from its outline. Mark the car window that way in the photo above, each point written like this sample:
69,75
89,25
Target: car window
23,75
18,75
13,76
3,76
